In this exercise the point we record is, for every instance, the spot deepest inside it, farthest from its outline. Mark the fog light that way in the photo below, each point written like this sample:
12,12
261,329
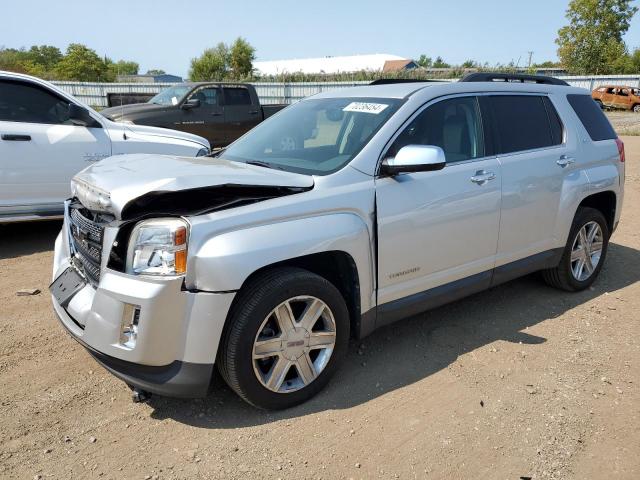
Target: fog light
129,325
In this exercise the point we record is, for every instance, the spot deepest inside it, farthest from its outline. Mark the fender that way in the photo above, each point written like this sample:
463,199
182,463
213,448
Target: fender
223,262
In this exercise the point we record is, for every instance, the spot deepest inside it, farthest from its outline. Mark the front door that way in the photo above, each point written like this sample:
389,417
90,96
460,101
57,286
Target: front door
207,119
40,150
435,228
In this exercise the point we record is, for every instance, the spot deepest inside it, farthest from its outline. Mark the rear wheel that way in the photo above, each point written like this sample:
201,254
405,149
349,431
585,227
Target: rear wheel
636,108
287,333
584,252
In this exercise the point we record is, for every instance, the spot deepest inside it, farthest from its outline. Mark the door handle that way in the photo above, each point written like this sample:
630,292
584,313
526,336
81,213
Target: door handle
482,176
253,112
216,114
11,137
564,160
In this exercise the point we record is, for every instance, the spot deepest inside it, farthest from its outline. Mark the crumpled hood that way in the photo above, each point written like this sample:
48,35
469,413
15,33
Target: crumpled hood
109,185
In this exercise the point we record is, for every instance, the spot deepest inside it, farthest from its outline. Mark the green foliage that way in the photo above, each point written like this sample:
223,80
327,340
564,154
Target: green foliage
83,64
224,62
79,63
156,72
592,42
212,65
424,61
241,57
122,67
440,63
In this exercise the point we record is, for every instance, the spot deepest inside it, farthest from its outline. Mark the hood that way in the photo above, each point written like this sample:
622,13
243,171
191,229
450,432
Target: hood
114,113
146,130
143,184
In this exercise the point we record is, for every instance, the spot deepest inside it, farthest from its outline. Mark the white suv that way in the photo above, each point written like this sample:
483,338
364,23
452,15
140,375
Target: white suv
343,213
47,136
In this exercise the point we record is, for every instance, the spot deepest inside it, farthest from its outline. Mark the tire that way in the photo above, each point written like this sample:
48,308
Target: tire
563,276
253,315
636,108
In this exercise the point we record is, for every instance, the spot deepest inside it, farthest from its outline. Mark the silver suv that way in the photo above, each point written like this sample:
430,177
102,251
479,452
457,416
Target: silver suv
343,213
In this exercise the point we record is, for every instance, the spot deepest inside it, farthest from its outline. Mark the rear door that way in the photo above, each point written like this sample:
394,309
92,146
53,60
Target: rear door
207,119
435,228
535,159
40,149
241,111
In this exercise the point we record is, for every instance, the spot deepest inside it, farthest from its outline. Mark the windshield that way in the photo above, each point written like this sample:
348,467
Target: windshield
314,137
170,96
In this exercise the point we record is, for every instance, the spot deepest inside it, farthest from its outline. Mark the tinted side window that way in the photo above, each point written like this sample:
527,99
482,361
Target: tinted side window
22,102
591,116
453,125
237,96
522,123
554,121
207,96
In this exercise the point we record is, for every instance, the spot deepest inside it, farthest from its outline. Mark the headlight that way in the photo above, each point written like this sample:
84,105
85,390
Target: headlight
158,247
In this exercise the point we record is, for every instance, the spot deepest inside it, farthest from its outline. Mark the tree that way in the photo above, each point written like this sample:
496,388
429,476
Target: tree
46,56
440,63
211,65
241,57
424,61
121,67
156,72
470,64
82,64
592,42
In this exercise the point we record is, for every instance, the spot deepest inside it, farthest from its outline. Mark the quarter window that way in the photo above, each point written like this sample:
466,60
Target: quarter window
453,125
522,123
21,102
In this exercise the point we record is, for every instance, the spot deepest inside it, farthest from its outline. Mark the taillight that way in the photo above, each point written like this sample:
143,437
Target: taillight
620,144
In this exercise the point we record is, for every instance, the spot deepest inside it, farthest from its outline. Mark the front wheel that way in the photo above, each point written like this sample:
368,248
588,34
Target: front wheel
584,252
636,108
287,333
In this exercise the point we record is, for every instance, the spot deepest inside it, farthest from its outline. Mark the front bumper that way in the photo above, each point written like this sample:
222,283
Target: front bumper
178,331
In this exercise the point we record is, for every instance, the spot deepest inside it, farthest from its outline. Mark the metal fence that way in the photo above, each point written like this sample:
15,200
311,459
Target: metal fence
95,94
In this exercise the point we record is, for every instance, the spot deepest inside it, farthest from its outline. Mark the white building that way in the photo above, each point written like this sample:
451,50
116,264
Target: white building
346,64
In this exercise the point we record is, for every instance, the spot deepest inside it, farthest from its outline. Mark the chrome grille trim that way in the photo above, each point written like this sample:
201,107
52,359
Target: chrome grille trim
86,237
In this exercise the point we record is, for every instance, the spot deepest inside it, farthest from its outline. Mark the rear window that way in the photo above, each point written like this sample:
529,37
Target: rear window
237,96
591,116
523,123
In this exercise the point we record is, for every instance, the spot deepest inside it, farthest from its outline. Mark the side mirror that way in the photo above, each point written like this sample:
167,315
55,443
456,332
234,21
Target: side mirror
80,116
191,103
414,158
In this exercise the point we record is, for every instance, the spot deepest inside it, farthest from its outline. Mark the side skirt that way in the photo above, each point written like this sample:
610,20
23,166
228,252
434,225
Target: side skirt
391,312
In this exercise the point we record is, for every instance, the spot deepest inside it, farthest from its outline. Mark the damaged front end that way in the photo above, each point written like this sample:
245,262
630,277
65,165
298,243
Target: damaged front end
191,202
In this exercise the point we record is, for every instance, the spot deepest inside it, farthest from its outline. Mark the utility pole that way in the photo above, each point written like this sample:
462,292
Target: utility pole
530,57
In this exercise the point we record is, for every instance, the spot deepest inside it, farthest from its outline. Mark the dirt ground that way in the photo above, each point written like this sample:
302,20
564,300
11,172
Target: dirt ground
625,123
520,381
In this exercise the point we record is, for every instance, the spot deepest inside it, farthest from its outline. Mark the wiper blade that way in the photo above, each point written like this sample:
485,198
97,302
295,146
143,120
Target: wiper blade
263,164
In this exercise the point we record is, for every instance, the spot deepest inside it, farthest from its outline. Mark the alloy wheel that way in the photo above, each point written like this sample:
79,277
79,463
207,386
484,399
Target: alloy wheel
294,344
586,251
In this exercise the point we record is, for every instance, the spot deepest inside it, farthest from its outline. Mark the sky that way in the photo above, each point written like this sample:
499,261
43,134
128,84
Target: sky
167,34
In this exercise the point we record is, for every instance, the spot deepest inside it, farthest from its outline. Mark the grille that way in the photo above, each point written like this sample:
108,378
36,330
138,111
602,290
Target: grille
86,234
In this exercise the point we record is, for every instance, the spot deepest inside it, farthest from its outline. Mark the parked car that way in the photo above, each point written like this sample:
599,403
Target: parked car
47,136
612,96
219,112
264,260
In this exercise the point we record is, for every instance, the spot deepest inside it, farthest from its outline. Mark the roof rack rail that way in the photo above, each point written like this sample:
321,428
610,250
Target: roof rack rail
388,81
512,77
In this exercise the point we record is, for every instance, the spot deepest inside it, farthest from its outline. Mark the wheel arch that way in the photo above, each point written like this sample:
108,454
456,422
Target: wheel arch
605,202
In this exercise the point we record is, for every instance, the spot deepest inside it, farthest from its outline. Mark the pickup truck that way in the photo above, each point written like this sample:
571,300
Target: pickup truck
219,112
47,136
263,261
